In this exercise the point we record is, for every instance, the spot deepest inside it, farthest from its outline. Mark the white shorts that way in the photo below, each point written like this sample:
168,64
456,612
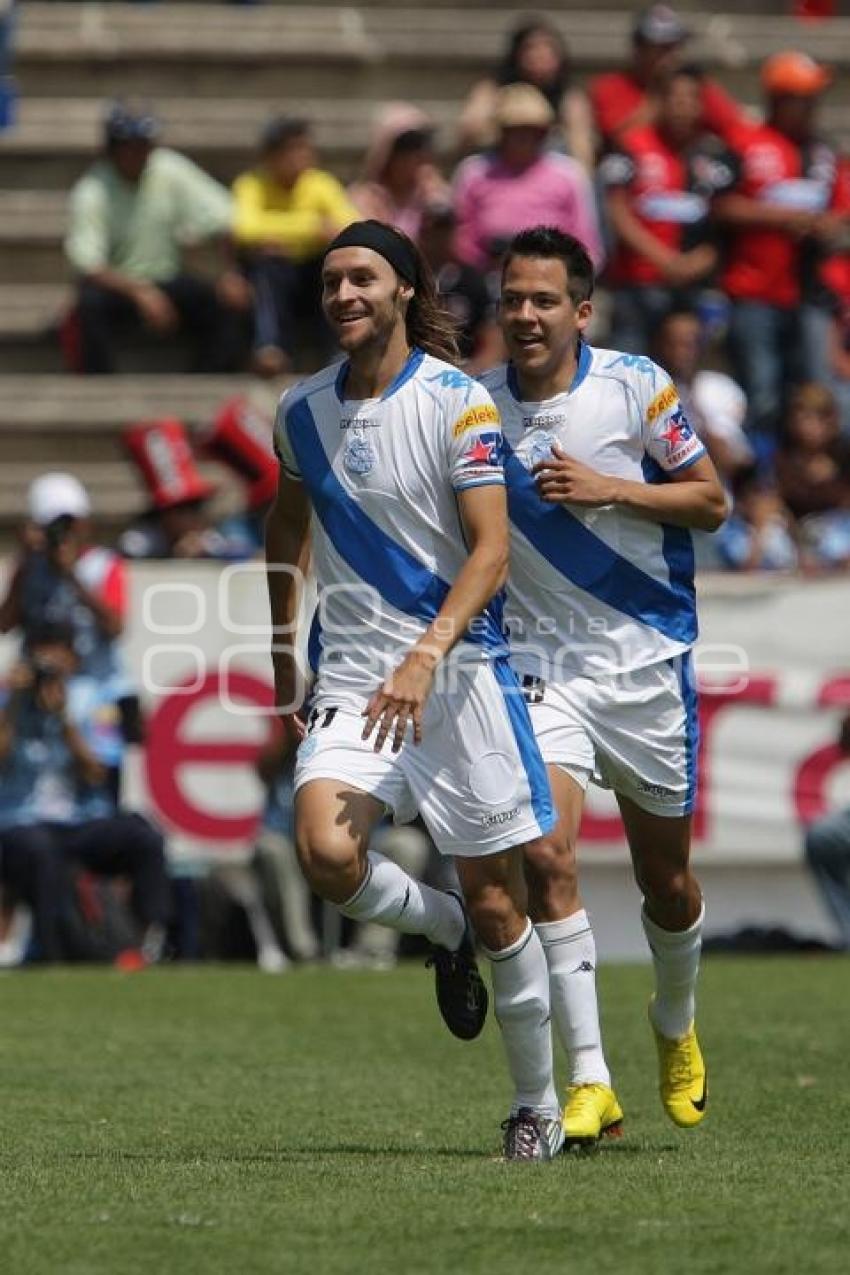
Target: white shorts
636,733
477,778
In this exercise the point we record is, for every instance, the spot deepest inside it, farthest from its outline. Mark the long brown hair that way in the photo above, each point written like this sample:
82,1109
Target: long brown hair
430,326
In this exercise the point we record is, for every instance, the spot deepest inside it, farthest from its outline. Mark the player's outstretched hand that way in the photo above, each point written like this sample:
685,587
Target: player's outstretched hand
563,480
401,700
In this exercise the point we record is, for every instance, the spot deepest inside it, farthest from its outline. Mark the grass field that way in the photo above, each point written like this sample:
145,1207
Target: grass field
218,1120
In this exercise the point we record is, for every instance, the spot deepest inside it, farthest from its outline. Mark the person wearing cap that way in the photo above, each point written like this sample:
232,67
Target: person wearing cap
783,216
177,523
628,99
130,218
63,576
521,183
286,211
659,189
537,54
400,175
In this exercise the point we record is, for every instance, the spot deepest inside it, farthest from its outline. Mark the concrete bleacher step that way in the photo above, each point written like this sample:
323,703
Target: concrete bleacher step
56,138
75,424
358,52
53,416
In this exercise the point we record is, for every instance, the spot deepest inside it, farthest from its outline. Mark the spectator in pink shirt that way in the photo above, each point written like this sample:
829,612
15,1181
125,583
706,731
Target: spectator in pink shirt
520,184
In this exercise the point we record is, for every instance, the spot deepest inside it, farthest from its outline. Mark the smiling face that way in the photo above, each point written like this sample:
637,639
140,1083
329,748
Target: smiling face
363,298
540,320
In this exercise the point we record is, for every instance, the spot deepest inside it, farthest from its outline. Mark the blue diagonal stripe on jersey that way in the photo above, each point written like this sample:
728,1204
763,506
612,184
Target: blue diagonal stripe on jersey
400,578
592,565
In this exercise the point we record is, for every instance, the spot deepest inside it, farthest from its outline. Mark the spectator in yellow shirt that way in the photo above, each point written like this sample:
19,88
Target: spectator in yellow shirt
286,212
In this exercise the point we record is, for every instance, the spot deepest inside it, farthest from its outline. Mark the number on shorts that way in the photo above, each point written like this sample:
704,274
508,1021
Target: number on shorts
533,689
327,717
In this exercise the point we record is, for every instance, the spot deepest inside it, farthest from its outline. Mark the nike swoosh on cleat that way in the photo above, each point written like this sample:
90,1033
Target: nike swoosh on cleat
698,1104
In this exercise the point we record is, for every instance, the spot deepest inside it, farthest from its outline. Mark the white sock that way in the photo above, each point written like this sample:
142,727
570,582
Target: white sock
675,956
391,897
571,956
521,1004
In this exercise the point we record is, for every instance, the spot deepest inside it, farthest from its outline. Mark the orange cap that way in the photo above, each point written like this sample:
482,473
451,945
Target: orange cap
795,74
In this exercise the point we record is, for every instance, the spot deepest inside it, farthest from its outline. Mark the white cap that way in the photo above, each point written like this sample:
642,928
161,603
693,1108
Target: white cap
52,495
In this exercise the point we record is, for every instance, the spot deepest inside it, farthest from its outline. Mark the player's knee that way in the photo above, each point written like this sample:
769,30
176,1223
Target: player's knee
329,865
670,890
551,872
494,916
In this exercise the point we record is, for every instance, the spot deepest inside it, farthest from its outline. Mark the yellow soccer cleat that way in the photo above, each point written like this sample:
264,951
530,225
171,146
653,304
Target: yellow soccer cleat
682,1079
591,1112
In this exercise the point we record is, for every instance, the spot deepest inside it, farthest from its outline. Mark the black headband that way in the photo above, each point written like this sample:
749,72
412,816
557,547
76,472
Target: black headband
381,239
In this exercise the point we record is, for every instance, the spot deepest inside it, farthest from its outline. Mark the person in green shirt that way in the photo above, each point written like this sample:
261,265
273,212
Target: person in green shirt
131,216
286,212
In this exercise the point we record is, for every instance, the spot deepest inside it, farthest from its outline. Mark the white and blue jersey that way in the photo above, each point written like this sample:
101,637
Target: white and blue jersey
383,476
596,590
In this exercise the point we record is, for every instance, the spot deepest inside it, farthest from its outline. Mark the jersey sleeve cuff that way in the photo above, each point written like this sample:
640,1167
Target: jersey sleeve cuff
686,464
495,481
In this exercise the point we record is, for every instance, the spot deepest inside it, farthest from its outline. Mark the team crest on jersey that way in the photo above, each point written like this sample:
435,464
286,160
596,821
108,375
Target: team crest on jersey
359,456
536,447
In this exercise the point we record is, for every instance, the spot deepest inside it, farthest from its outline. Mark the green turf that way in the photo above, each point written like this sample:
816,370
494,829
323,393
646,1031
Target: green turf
219,1120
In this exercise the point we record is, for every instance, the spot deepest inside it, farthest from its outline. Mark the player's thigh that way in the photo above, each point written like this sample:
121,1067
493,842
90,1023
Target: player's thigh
493,887
342,790
477,777
333,822
646,734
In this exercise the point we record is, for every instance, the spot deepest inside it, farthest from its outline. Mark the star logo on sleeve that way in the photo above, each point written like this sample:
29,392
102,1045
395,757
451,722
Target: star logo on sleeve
678,431
484,450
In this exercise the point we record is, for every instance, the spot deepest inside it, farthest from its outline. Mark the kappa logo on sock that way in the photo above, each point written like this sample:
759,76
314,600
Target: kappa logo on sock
586,967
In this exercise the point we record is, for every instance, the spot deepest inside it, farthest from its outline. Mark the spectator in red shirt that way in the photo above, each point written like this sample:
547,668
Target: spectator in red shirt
659,191
624,100
784,220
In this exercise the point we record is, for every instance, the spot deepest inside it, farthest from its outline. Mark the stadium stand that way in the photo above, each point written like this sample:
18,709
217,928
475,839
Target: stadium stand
215,73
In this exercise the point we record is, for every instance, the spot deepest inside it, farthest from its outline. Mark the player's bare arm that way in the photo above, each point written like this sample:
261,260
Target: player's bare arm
287,556
402,698
692,498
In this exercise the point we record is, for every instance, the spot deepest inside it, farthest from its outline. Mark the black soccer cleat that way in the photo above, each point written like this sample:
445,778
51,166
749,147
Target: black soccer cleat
529,1136
461,992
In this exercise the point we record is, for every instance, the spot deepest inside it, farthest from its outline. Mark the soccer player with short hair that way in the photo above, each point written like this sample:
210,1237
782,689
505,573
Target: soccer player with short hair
392,460
605,480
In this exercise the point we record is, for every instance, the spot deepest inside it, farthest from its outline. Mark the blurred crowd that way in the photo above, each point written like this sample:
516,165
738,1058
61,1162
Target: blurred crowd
83,875
722,241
